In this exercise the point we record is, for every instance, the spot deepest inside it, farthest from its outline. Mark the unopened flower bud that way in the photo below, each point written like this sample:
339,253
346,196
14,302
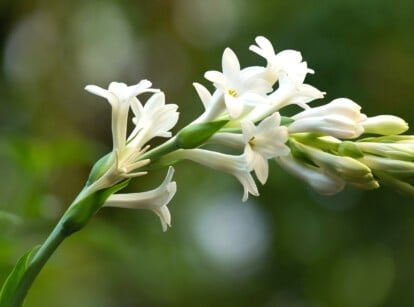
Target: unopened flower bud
385,125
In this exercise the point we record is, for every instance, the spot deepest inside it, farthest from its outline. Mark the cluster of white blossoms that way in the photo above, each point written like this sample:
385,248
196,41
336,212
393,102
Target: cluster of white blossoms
154,119
318,145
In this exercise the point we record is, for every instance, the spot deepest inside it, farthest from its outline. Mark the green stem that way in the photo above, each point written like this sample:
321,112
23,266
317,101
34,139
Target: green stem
161,150
74,219
36,264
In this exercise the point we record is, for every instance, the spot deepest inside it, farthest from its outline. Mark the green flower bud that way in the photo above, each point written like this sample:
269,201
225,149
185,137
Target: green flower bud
346,168
196,135
398,151
397,168
350,149
395,183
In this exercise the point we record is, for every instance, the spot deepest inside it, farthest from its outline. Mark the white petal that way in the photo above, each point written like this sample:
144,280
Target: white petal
230,63
219,79
233,165
204,94
155,200
269,123
264,47
289,58
138,88
261,169
253,99
248,130
165,217
233,105
96,90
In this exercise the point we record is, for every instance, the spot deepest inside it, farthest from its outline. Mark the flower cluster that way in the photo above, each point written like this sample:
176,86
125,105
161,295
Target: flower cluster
154,119
319,145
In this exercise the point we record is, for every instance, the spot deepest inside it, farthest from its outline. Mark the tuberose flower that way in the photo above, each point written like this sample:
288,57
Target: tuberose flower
262,142
240,88
152,120
120,96
286,62
155,200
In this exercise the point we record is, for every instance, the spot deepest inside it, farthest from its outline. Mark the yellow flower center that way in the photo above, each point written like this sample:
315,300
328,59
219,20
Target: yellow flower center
251,141
232,93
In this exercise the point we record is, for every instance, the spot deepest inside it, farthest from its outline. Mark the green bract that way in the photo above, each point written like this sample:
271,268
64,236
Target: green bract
195,135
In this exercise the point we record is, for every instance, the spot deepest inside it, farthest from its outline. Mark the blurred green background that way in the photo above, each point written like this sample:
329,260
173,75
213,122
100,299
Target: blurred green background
290,247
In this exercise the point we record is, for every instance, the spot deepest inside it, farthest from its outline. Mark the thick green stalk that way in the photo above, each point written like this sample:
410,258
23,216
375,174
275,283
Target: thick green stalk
29,266
35,266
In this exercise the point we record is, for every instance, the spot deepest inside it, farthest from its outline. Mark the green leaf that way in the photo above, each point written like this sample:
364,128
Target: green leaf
8,297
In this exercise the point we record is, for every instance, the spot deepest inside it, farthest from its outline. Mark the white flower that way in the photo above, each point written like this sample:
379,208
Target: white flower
154,119
262,142
320,181
231,164
293,92
289,92
240,87
155,200
214,105
385,125
340,118
120,96
286,62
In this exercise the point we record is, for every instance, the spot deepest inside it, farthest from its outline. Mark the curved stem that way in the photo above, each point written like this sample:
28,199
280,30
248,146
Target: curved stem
84,207
36,264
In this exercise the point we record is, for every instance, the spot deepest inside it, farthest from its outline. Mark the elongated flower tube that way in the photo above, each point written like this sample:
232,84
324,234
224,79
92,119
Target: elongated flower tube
231,164
264,141
155,200
341,118
120,96
320,181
